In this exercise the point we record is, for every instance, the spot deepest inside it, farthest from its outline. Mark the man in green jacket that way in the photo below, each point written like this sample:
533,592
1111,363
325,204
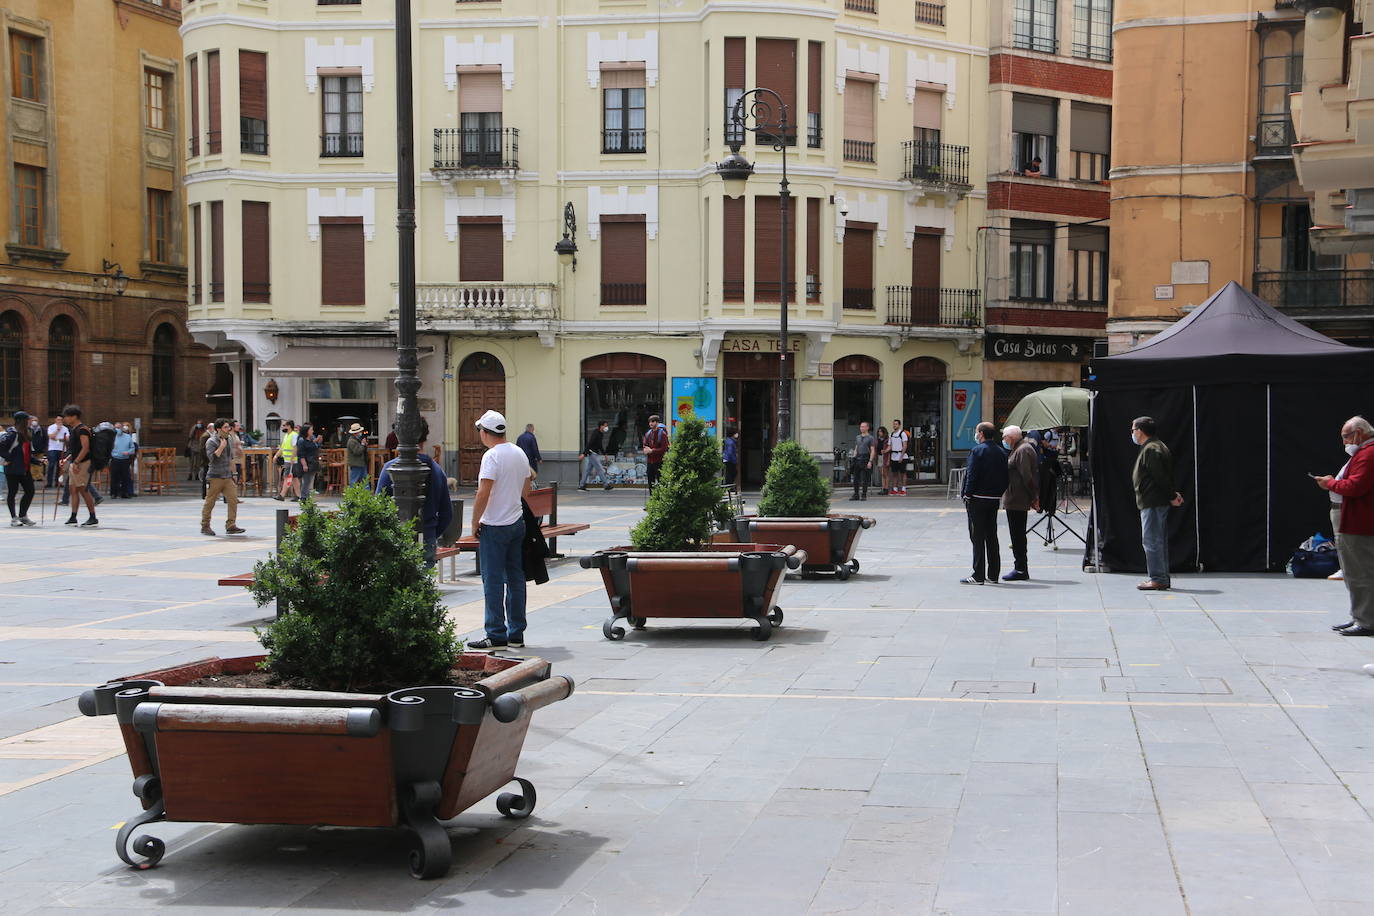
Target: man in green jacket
1153,479
357,454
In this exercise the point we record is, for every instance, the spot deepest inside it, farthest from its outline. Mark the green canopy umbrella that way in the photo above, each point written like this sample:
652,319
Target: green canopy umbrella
1049,407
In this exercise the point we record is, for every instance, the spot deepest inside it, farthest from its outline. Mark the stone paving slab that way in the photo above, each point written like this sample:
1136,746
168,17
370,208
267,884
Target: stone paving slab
904,744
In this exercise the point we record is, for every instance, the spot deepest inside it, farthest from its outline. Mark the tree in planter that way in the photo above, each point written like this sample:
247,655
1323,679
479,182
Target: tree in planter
793,486
686,506
364,610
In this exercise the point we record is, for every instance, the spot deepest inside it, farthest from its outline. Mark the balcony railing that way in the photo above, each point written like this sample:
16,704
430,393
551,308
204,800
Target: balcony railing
925,162
1301,290
212,143
1088,51
930,13
858,297
339,146
921,306
858,150
253,136
476,149
624,294
622,140
216,291
861,6
478,301
813,129
257,292
1274,135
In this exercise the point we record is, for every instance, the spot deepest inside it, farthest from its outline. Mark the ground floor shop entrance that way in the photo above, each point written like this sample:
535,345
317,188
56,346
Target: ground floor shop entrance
923,412
751,406
856,389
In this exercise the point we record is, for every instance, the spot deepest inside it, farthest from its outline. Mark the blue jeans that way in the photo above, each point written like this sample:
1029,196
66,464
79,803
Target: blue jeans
356,475
54,458
1154,534
593,471
501,550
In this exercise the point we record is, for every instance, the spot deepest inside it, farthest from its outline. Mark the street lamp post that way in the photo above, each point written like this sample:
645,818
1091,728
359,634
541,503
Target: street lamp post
408,474
735,171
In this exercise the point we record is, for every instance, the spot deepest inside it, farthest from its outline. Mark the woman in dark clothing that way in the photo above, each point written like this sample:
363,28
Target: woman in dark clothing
16,448
308,459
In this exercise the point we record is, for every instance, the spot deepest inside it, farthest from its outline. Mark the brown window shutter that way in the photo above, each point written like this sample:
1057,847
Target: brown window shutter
342,271
193,76
767,244
257,266
732,236
481,252
624,255
479,92
926,112
623,78
197,270
925,260
253,85
217,251
813,77
734,63
624,365
212,101
858,266
776,69
813,249
858,110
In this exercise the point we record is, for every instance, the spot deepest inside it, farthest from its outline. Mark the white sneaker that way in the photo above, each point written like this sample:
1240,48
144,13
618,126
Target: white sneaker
27,522
1337,576
16,523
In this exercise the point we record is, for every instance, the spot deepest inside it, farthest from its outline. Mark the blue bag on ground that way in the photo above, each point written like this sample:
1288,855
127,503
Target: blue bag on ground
1315,558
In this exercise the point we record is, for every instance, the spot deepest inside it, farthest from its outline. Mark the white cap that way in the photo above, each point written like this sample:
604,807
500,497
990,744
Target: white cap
492,422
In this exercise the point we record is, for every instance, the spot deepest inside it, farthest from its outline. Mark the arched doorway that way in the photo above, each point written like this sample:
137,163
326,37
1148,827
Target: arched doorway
165,373
624,389
923,413
856,401
11,363
481,387
61,363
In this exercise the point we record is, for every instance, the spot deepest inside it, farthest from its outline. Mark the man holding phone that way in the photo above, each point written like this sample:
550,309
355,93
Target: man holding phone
1352,515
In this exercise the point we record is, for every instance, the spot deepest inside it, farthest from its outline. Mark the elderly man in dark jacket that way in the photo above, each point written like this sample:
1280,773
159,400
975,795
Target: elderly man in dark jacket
1153,480
985,480
1022,495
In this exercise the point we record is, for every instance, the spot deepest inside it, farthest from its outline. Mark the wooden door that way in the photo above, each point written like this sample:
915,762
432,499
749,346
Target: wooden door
481,387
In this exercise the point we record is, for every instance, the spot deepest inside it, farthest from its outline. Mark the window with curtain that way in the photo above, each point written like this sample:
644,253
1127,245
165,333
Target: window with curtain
11,363
342,97
734,87
26,63
1033,25
61,363
622,111
1092,29
29,199
155,98
160,226
164,371
1033,133
1280,73
1088,252
1032,260
480,119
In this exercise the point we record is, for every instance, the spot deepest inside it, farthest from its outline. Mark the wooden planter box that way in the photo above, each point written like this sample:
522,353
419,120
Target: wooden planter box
410,758
829,540
724,581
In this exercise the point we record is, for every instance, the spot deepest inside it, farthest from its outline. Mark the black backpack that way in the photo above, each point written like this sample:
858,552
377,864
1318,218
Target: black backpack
102,446
11,450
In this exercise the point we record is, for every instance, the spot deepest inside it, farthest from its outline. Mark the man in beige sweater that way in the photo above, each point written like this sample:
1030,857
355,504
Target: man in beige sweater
1022,495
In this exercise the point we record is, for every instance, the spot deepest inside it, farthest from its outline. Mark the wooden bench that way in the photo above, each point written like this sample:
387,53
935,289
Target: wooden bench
543,503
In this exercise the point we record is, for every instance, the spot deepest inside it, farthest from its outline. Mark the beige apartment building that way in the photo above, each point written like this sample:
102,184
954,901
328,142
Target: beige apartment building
1204,189
616,112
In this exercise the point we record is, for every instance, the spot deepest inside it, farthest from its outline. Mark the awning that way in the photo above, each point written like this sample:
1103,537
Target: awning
335,362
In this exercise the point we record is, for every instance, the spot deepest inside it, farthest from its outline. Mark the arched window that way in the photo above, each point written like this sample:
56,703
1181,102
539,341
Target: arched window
11,354
164,371
61,363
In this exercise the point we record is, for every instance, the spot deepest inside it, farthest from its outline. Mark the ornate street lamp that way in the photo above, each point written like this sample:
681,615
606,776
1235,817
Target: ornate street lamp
409,475
119,279
735,170
566,249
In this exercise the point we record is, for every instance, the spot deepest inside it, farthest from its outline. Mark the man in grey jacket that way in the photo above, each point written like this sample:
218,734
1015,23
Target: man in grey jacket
1022,495
220,478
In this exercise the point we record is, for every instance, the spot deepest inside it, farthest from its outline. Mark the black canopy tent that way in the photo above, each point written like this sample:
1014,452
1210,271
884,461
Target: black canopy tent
1249,401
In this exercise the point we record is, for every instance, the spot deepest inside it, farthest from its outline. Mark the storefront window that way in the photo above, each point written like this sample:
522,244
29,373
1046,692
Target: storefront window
343,389
923,388
623,389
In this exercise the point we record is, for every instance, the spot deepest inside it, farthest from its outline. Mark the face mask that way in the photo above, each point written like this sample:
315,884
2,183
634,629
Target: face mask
1351,450
1006,444
1133,442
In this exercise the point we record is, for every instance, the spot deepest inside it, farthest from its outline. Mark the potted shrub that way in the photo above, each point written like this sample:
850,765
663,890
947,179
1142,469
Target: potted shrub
795,509
673,568
323,729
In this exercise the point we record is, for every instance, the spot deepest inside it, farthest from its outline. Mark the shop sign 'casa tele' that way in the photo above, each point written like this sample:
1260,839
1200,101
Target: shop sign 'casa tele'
758,344
1037,349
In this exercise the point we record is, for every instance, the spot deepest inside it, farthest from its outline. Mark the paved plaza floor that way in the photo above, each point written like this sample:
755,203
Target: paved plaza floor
903,744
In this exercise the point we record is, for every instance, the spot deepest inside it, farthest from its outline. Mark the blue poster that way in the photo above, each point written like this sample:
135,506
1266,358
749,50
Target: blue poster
966,406
694,395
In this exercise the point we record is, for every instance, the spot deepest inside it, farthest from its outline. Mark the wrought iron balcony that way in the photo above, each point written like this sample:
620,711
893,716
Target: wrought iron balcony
622,140
930,12
857,297
919,306
340,146
624,293
1317,292
858,150
861,6
476,149
502,303
1274,135
940,164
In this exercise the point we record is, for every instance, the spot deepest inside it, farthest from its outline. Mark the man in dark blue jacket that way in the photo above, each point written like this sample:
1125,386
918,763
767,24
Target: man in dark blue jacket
437,511
985,480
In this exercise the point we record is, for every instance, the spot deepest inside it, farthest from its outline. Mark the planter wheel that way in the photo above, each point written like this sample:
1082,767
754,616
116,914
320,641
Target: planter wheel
842,572
638,622
515,806
775,616
611,631
854,566
763,630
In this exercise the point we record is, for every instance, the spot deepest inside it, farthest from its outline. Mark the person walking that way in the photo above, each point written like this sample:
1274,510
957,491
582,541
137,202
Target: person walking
884,450
236,446
219,478
730,458
985,480
77,464
861,459
498,523
307,460
195,452
436,514
57,444
530,446
121,461
595,452
1352,512
1022,495
898,445
1153,480
357,454
654,447
17,453
285,459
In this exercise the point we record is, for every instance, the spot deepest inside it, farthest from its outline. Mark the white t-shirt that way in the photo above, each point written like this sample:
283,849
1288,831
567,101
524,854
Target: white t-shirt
57,437
898,443
508,469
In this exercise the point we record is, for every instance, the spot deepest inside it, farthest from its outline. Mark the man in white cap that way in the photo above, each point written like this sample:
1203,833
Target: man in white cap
498,523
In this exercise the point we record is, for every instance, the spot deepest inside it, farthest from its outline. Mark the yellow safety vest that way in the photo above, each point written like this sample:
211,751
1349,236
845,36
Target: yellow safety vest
288,446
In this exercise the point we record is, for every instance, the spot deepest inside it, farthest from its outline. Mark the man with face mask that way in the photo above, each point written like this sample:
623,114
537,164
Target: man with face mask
1022,495
1153,479
1352,515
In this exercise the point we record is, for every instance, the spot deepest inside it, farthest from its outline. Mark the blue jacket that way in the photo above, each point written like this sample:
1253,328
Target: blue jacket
530,446
437,512
986,471
124,446
731,453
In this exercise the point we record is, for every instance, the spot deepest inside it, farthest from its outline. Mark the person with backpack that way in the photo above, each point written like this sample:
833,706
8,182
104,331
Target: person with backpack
77,464
285,459
655,447
18,455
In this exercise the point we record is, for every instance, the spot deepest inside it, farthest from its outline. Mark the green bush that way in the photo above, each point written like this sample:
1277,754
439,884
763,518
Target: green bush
794,487
686,507
363,610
